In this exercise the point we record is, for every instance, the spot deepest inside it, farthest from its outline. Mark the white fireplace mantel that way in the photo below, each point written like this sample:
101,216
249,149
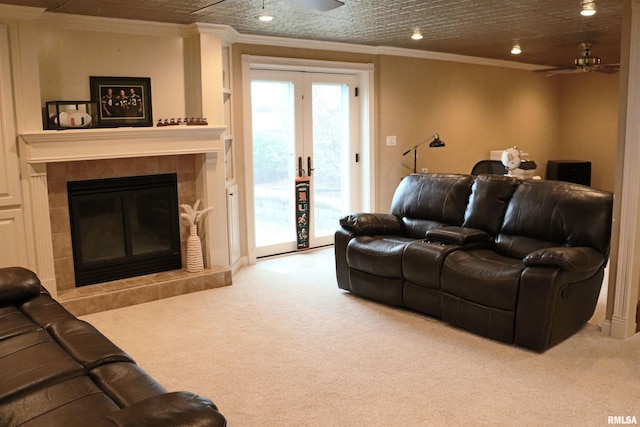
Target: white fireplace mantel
106,143
42,147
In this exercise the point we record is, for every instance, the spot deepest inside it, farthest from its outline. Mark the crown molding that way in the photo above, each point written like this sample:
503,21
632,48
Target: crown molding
227,34
439,56
379,50
8,12
66,21
306,44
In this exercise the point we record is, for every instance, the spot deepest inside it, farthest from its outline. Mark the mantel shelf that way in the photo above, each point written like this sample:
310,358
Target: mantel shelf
107,143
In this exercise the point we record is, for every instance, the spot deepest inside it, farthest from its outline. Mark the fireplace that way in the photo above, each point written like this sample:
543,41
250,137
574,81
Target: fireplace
51,159
124,227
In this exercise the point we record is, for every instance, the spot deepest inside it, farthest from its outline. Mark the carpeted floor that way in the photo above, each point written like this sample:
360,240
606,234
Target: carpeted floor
283,346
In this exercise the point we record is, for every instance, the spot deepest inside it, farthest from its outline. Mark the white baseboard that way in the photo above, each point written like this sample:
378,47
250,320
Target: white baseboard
622,328
237,266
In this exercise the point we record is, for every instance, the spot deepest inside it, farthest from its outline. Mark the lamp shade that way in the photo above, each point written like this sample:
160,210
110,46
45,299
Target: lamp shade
437,142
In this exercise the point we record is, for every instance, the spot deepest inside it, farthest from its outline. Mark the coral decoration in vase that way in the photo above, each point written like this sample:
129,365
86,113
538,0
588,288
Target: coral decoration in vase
195,261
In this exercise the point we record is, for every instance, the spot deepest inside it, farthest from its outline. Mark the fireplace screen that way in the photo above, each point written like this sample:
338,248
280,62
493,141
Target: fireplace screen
124,227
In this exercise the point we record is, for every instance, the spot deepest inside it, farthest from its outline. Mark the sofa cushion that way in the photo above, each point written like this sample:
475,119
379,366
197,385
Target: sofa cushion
490,195
425,201
14,322
44,310
86,344
544,214
32,359
125,383
483,277
69,403
379,255
418,228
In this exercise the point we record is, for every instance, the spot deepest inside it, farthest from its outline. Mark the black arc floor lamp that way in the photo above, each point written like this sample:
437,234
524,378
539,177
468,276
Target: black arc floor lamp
435,143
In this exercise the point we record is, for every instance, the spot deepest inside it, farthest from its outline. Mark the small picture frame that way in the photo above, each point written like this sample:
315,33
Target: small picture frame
122,101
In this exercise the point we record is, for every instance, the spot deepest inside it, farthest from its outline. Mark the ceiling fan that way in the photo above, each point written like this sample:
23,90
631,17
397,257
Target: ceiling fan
584,64
321,5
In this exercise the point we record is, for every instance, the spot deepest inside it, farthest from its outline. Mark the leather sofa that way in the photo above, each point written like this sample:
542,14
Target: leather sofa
521,262
57,370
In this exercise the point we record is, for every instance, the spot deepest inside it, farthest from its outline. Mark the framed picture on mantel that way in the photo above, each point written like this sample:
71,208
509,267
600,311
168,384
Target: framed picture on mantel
122,101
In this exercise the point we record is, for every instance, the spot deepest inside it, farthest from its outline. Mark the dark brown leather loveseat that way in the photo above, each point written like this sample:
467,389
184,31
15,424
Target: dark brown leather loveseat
518,261
57,370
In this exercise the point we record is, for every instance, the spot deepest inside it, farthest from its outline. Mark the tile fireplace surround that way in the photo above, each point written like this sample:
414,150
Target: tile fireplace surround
53,158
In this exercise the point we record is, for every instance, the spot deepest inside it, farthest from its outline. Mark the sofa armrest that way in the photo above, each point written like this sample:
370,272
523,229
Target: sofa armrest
559,290
371,224
577,262
458,235
167,410
18,285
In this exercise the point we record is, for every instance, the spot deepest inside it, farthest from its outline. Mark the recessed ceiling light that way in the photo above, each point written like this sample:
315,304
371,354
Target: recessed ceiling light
516,49
417,35
588,7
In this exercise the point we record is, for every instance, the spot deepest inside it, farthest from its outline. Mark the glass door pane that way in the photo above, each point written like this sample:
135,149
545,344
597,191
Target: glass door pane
331,131
273,117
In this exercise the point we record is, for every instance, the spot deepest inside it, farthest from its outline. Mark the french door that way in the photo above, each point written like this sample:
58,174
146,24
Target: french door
304,125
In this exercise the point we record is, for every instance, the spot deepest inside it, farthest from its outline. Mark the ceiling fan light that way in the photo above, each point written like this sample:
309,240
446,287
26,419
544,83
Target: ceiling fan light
587,61
515,50
417,35
588,8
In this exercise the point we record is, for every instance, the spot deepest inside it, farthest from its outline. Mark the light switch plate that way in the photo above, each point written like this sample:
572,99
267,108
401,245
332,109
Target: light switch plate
391,140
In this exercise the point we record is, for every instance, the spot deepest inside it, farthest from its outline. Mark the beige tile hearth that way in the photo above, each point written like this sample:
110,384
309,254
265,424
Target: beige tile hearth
137,290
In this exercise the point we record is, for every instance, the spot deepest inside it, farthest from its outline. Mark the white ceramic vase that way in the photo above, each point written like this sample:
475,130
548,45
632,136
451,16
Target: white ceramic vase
194,251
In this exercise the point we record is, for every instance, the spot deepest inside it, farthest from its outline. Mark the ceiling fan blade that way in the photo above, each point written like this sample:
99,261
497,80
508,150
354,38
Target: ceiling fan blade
206,9
608,68
563,71
555,70
321,5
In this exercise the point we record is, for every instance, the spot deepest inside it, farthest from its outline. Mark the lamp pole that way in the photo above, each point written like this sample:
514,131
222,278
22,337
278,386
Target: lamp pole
435,143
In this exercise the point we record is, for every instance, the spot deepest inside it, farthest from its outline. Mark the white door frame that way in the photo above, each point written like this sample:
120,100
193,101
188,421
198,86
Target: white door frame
364,73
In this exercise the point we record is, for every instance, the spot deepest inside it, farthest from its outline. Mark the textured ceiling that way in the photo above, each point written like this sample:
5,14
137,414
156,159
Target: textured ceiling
549,31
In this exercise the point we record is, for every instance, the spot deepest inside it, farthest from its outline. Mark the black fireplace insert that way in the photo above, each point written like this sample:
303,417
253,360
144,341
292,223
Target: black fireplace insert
124,227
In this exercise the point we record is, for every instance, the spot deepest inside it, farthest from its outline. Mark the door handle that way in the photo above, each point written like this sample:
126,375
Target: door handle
309,168
300,170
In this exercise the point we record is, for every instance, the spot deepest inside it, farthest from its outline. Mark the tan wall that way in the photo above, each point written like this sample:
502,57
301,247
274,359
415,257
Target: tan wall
474,108
589,130
68,57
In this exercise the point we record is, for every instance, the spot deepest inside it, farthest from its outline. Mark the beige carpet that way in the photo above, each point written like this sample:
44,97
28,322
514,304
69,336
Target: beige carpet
284,346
